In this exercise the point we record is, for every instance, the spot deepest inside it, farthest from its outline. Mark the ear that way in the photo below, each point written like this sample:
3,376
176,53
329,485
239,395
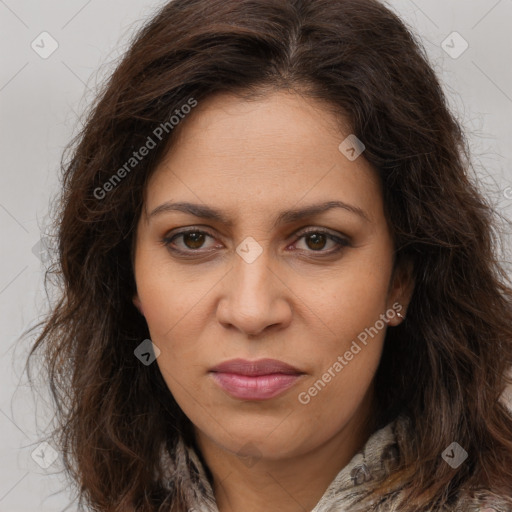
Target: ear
137,303
401,289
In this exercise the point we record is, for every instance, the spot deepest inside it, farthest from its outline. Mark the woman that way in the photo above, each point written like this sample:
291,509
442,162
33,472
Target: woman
280,286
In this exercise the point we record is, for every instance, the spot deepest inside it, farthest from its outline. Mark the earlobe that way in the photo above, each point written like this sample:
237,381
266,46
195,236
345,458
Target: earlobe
402,290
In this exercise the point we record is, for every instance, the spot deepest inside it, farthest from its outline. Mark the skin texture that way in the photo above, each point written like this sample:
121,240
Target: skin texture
252,160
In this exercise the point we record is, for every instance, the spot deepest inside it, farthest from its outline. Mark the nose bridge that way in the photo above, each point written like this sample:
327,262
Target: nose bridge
252,300
252,279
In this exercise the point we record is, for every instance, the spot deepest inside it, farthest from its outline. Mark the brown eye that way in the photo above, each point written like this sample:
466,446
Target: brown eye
188,242
322,242
316,241
193,240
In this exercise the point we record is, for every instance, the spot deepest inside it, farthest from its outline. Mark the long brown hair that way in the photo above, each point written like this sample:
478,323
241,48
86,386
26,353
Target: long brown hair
445,365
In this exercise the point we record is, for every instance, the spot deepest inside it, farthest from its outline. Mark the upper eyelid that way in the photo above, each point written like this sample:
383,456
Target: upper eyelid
338,238
298,232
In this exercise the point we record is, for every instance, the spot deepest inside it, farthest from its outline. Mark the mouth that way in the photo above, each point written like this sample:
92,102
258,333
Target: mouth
255,380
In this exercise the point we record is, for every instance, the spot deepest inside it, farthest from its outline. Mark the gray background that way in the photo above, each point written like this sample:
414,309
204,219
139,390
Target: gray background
40,101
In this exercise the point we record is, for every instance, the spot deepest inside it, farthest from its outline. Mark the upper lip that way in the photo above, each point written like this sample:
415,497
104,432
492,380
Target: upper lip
255,368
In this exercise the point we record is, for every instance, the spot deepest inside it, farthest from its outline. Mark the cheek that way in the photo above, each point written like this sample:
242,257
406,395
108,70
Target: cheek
172,310
333,395
352,301
167,298
346,361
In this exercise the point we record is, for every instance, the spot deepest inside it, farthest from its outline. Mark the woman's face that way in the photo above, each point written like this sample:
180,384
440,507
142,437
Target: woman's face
256,279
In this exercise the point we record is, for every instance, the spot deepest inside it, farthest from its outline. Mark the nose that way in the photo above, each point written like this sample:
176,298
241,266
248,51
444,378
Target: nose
254,299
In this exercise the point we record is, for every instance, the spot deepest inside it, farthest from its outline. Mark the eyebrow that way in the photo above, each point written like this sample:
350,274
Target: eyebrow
289,216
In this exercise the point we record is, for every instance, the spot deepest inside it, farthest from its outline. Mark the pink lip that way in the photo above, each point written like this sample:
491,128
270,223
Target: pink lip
255,380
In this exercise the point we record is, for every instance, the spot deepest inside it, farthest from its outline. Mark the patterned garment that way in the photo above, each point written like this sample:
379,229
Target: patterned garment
345,493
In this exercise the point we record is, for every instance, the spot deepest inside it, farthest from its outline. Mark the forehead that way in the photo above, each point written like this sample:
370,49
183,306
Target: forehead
258,155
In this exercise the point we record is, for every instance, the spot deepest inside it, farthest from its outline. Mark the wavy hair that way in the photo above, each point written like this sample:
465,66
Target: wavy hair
446,364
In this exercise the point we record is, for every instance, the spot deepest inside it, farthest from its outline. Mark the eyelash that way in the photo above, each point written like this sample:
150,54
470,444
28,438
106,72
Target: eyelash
341,242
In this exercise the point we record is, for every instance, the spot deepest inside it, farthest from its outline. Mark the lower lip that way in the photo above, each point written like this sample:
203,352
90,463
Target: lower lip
262,387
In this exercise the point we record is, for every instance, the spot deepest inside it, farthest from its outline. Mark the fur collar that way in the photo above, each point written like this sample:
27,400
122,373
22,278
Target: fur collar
346,493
